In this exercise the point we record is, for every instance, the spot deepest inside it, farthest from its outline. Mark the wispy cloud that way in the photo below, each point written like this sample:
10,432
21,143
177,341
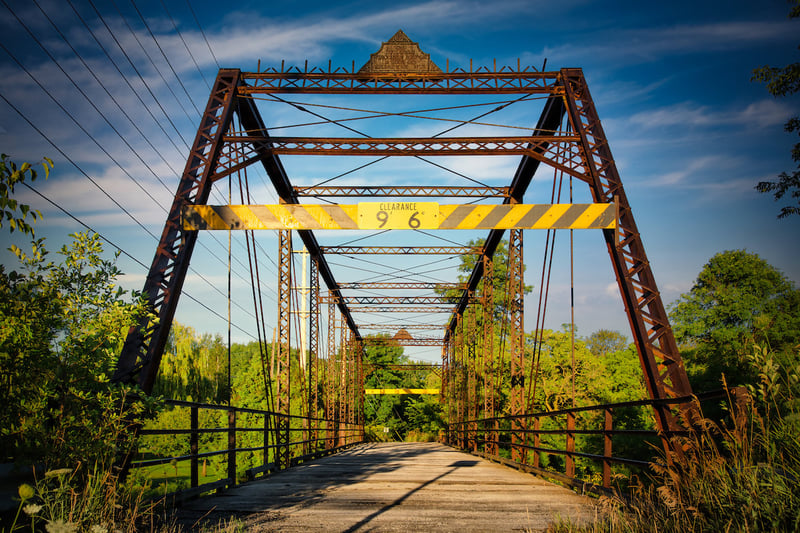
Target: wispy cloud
761,114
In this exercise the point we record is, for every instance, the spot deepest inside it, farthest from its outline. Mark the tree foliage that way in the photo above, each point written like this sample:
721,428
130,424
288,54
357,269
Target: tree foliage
61,327
737,299
784,81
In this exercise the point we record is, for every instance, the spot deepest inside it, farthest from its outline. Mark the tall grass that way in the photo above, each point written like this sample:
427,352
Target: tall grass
738,476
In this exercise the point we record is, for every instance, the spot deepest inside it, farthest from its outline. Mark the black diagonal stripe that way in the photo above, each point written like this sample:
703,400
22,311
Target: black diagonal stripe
265,215
533,216
606,217
303,217
228,216
570,216
341,217
491,220
456,217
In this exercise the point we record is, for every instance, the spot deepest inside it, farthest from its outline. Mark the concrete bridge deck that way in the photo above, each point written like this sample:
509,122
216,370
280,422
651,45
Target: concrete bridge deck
395,487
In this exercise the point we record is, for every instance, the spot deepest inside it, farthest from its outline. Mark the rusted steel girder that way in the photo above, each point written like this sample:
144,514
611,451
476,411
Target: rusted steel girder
395,327
144,345
294,80
664,372
401,285
421,341
402,309
331,412
390,300
400,250
284,360
433,146
471,350
516,343
491,436
313,356
402,191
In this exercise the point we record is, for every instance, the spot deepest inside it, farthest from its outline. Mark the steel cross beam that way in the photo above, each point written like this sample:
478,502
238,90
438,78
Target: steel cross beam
421,341
403,309
390,300
402,191
400,326
458,81
251,121
401,250
434,146
399,285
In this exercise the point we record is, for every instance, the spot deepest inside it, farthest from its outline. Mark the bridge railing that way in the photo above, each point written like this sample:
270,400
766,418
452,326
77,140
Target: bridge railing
561,444
243,439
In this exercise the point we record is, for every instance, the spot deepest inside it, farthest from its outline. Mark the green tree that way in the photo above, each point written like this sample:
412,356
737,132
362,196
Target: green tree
783,81
737,299
62,325
193,367
12,212
604,341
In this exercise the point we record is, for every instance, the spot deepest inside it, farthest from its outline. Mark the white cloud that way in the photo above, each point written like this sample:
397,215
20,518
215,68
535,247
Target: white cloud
761,114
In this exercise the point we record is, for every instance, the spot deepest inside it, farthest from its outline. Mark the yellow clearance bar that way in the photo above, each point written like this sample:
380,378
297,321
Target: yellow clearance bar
400,391
399,215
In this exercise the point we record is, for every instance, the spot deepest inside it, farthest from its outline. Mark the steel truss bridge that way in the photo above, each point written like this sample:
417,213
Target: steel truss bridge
568,139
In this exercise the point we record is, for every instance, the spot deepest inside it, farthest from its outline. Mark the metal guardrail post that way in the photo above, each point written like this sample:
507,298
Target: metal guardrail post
608,427
194,444
232,447
570,444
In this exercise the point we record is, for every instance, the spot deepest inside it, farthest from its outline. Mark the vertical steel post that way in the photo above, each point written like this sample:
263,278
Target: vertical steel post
232,446
491,436
330,381
194,444
608,427
570,444
284,347
516,344
313,361
472,379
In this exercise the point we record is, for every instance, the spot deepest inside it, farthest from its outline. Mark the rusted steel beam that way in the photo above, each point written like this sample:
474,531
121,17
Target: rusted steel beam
516,343
491,436
389,300
433,367
664,372
283,360
400,285
434,146
400,250
394,327
144,345
403,309
339,81
402,191
418,341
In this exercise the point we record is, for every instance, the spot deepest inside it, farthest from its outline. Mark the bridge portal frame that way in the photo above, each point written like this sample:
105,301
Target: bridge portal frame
585,155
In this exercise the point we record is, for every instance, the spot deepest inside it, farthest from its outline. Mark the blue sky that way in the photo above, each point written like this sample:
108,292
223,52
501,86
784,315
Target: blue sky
691,134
